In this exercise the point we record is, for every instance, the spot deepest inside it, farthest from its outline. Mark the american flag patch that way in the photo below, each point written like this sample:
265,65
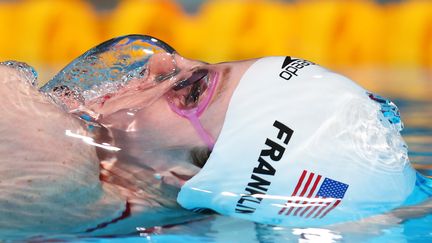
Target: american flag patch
314,196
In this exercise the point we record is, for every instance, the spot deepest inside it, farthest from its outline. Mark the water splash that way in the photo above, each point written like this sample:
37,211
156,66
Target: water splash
28,71
105,68
389,110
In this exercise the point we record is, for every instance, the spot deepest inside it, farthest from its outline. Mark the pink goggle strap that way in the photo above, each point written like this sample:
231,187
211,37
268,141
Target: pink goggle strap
193,114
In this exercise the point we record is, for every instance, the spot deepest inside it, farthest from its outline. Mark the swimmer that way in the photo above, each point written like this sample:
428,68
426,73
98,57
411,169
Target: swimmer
50,176
276,140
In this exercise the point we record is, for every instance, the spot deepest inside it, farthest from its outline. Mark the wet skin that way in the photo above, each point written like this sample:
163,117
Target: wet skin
72,186
49,181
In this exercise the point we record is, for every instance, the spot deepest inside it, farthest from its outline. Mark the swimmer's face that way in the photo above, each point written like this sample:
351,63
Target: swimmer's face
153,113
149,102
144,101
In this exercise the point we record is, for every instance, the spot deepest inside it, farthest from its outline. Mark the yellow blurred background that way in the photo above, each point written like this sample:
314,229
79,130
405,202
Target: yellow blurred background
377,44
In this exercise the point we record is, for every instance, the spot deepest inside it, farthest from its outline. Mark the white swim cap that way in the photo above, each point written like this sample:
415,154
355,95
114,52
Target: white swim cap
302,145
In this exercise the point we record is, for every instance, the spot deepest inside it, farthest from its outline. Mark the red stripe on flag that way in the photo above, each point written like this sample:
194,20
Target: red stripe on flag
317,179
331,208
321,209
295,190
311,193
316,207
309,207
308,203
305,187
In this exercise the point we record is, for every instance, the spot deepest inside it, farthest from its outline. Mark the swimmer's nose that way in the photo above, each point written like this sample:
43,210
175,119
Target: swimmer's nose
162,66
188,71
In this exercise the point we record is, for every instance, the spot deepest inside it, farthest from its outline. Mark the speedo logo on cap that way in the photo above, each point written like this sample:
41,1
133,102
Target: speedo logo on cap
292,66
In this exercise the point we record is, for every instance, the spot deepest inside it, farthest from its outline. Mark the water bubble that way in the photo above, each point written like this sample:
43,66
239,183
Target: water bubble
28,71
